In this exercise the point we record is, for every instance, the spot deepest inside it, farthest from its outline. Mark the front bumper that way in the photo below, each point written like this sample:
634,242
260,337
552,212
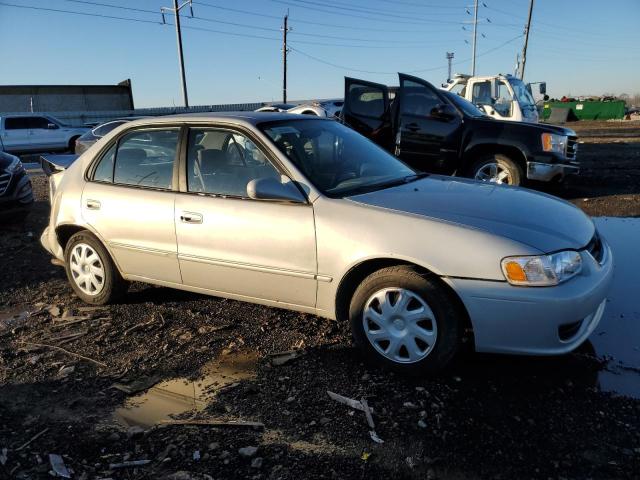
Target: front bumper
545,172
537,320
16,198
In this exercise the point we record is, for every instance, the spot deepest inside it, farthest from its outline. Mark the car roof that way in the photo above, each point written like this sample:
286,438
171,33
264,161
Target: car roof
247,118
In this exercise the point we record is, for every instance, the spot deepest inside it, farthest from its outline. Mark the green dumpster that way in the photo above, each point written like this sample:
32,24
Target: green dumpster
588,110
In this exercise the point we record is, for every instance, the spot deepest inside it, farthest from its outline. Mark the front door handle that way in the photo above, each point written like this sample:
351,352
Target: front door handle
413,127
93,205
190,217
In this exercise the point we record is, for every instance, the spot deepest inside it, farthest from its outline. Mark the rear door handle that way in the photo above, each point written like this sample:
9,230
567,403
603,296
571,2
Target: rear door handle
190,217
93,205
413,127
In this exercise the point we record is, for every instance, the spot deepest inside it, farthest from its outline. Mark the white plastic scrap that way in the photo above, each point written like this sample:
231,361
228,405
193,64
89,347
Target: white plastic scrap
58,466
361,405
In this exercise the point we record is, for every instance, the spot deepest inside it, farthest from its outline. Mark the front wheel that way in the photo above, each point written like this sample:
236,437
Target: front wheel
90,270
497,168
405,320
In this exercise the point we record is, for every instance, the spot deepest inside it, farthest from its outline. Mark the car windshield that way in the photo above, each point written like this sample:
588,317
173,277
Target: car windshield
466,106
521,93
337,160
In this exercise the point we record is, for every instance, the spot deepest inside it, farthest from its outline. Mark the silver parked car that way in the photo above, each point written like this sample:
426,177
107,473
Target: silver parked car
306,214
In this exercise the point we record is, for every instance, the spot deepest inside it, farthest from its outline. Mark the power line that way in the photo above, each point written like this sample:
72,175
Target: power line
84,14
343,14
308,22
266,29
422,70
221,32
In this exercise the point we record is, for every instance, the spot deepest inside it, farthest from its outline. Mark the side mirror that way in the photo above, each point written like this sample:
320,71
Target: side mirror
444,111
51,126
272,189
543,88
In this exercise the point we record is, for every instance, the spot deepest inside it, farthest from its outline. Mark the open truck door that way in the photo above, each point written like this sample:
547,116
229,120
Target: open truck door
366,110
428,128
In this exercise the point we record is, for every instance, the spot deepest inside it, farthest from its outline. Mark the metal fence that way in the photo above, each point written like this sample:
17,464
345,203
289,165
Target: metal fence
85,117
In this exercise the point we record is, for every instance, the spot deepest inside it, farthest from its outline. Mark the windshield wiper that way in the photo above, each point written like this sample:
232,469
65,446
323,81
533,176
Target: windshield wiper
382,185
413,178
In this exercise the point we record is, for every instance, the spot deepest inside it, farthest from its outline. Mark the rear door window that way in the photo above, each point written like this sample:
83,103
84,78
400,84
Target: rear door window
366,100
104,170
145,158
16,123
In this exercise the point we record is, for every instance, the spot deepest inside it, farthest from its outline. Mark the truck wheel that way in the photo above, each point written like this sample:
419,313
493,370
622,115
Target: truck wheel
496,168
90,270
404,320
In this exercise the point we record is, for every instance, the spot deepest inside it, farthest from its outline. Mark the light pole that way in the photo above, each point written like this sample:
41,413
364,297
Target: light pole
176,11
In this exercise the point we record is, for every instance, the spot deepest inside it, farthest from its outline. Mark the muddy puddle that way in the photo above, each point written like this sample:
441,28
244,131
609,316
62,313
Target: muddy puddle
176,396
618,336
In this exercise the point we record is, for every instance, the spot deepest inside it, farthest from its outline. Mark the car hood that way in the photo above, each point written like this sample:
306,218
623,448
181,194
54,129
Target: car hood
535,219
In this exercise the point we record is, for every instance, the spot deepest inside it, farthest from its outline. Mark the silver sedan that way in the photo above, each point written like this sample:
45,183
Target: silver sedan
303,213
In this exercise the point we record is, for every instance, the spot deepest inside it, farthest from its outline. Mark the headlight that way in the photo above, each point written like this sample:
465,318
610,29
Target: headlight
542,270
15,165
554,143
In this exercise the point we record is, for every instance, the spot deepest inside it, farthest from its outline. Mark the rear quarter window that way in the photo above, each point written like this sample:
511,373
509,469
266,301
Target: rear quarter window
367,101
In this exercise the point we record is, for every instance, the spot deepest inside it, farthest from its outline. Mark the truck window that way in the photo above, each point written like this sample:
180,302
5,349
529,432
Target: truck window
460,89
481,93
39,122
503,102
366,100
16,123
417,99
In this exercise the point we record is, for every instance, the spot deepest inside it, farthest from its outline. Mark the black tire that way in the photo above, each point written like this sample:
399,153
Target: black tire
446,310
516,175
114,286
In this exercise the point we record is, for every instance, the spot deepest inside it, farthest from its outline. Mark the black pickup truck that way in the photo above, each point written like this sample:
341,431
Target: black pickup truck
438,131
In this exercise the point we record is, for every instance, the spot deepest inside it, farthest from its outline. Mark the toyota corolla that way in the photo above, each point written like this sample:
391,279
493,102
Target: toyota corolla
306,214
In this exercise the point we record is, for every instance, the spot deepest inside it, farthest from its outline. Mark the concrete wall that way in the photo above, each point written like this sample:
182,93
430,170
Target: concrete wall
65,98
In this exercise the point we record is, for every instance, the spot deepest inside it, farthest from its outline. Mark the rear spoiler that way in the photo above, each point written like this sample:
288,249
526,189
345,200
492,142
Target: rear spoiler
52,164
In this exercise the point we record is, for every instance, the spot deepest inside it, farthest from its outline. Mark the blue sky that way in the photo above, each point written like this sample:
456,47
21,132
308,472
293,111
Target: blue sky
578,46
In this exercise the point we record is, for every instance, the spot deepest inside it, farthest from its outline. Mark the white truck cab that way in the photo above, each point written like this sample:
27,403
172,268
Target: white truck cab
503,97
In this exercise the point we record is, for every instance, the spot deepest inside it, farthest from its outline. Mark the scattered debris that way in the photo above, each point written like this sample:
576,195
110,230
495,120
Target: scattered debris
139,385
3,456
256,463
44,345
280,358
358,405
32,439
58,466
345,400
215,423
248,452
129,464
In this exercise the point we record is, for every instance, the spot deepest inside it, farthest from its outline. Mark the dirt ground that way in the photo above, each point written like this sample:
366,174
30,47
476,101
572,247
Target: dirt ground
67,374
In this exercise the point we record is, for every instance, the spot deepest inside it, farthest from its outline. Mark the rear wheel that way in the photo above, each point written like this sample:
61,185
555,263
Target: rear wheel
90,270
405,320
497,168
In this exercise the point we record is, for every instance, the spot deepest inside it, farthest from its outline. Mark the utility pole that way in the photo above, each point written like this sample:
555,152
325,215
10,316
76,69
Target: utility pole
449,58
526,40
176,11
285,51
475,31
